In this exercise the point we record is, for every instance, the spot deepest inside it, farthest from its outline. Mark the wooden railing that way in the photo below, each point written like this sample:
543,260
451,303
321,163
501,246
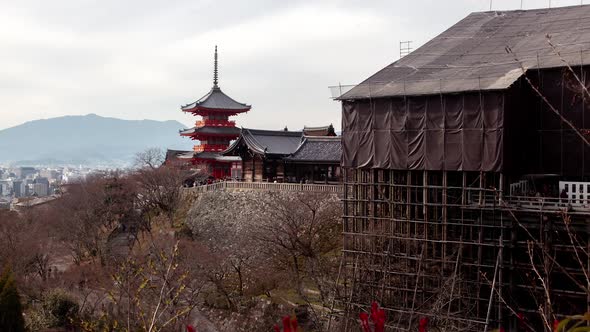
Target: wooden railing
547,203
210,147
488,200
234,185
528,203
215,123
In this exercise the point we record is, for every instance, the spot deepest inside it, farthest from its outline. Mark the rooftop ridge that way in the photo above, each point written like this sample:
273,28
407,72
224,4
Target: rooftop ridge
274,132
530,10
322,138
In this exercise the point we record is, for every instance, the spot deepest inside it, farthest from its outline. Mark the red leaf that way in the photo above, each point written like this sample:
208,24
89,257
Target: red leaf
423,323
364,317
287,324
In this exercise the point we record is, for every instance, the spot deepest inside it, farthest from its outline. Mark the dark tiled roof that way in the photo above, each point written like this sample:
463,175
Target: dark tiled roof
472,55
215,156
217,100
269,142
170,154
319,131
318,149
206,155
210,130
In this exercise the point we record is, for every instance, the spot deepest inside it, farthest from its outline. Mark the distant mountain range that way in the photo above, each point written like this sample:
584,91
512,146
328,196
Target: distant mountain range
89,140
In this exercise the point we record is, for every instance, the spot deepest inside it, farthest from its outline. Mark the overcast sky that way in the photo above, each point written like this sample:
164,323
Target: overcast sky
142,59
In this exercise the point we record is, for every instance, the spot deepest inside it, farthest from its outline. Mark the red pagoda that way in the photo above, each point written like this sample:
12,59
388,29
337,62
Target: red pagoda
215,131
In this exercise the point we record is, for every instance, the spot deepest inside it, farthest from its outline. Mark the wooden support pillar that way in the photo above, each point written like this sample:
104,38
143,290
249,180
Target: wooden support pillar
424,193
481,184
501,188
547,236
426,222
253,168
588,262
408,194
407,228
285,179
464,193
500,274
444,219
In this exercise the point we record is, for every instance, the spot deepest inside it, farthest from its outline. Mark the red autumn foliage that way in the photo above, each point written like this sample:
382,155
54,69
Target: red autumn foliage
377,317
422,325
289,325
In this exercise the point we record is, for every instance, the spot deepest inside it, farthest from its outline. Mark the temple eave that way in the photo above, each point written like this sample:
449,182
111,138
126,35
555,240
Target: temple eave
204,136
197,110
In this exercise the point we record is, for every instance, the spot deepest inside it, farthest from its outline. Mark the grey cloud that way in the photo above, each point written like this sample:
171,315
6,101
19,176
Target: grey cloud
142,59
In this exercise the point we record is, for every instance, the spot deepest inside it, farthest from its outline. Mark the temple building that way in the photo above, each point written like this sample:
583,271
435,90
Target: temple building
467,167
178,158
308,156
214,130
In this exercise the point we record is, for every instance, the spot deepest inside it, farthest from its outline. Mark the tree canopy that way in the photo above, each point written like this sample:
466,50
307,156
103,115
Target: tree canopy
11,317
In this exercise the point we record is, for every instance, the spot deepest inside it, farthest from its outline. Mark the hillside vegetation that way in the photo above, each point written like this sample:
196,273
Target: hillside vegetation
132,252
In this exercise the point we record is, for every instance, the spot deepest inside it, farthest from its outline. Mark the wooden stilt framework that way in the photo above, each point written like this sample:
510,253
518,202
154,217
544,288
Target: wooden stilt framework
450,247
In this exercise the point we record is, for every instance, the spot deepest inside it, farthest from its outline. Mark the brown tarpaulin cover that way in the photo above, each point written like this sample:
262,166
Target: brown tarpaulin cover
437,132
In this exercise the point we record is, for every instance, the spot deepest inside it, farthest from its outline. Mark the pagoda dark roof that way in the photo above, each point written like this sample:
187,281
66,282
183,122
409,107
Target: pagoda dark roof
216,100
211,130
268,142
317,149
485,51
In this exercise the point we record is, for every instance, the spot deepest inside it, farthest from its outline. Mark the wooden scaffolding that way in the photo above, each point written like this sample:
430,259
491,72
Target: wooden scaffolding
452,248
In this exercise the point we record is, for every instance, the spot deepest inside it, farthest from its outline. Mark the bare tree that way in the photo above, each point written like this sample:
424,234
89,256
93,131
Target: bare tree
160,190
154,290
92,212
151,158
299,231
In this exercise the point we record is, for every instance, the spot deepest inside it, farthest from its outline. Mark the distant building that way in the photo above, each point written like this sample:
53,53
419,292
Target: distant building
4,204
5,188
41,189
28,187
18,188
42,180
24,172
50,174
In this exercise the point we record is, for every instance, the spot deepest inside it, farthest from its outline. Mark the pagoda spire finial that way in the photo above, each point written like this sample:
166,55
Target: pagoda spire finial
215,69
